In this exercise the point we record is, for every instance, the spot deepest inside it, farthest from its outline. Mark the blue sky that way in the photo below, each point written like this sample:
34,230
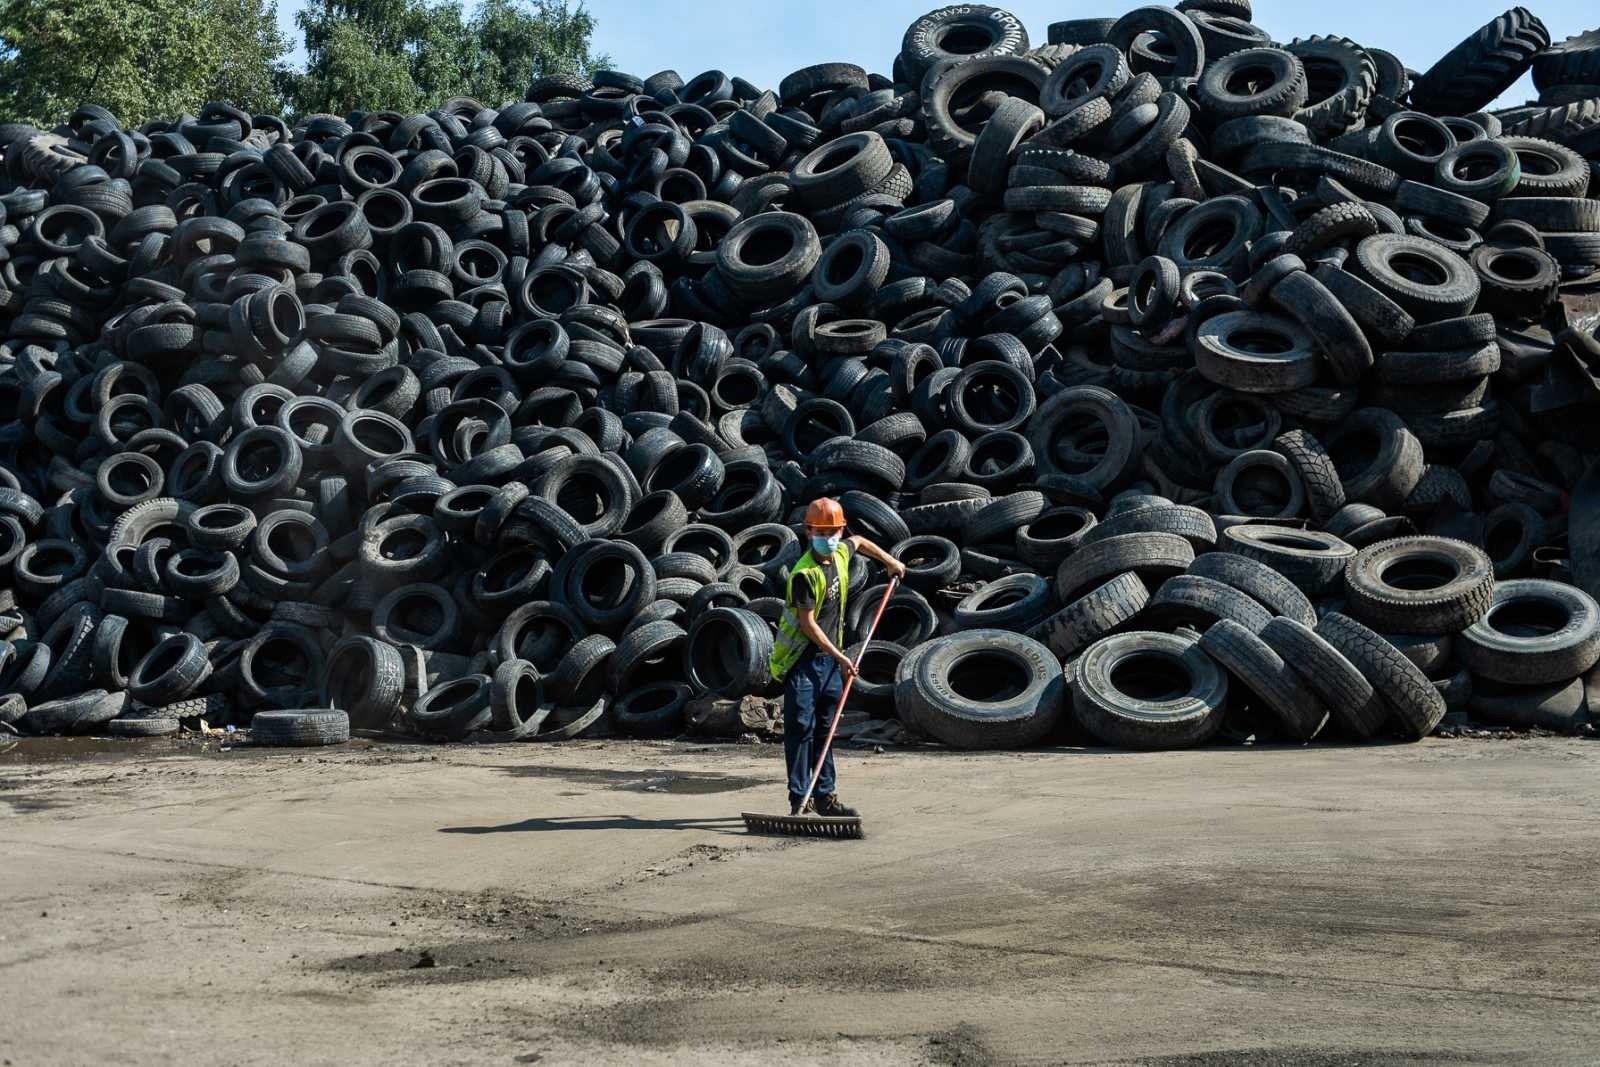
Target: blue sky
762,40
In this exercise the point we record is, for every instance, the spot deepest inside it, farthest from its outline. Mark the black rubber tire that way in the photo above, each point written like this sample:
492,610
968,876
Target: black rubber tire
1381,317
1171,713
843,455
1184,55
1338,222
727,652
1511,534
1253,663
777,276
1188,600
1313,561
1053,535
305,728
1347,694
1123,440
655,643
841,170
1155,557
1475,72
653,710
1420,366
1189,523
873,691
932,562
1016,602
993,31
1095,70
1277,593
540,632
1536,632
1343,78
1006,712
1419,585
365,678
950,88
1319,313
1260,484
589,477
1252,81
1324,491
220,527
83,712
1450,289
1292,363
1559,706
1431,653
171,671
580,676
1414,704
908,620
1092,616
142,727
1574,61
1461,170
1378,458
421,614
1517,283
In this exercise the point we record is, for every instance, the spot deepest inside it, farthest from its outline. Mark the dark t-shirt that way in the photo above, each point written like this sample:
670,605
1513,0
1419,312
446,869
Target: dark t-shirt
828,613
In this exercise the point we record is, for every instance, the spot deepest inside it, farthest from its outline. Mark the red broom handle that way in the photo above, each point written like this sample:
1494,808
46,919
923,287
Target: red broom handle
838,713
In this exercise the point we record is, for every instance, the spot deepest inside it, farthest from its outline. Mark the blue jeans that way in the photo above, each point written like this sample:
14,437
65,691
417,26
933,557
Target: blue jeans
810,695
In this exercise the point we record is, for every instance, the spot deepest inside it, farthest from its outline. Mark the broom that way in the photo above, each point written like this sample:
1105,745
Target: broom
822,825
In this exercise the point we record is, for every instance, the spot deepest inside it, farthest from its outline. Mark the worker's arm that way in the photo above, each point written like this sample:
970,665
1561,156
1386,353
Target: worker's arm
814,634
872,551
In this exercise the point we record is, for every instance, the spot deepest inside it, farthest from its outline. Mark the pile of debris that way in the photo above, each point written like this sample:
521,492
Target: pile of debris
1193,373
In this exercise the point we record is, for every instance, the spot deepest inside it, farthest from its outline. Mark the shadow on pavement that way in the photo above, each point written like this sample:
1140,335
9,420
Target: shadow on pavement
727,825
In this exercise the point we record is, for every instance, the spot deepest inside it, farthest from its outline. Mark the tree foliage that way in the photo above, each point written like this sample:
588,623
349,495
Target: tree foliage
370,55
250,68
142,59
149,59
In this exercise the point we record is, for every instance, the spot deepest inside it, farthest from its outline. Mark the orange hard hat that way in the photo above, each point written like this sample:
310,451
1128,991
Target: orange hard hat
825,514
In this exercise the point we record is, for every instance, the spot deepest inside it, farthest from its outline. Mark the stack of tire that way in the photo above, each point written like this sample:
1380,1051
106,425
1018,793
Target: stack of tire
1157,344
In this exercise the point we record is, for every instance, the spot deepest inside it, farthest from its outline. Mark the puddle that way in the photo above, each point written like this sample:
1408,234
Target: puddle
15,751
642,781
21,751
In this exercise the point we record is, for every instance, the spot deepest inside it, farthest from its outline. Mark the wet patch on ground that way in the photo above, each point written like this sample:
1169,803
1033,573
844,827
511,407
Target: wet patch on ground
26,751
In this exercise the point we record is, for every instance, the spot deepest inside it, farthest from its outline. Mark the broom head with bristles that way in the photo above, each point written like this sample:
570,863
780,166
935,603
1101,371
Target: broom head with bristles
803,825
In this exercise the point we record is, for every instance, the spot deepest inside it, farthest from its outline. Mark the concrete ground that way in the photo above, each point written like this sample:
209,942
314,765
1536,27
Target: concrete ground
600,902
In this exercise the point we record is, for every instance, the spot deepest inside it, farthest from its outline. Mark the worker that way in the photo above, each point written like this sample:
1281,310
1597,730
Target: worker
808,656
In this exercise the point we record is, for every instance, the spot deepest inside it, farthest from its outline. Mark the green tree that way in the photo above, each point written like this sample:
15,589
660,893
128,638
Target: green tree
518,44
250,65
371,55
142,59
352,71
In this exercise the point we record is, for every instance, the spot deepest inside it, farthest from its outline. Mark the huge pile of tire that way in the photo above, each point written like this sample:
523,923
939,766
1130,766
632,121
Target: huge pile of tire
1193,373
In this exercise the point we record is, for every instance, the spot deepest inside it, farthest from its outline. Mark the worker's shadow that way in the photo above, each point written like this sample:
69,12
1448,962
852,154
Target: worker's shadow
599,822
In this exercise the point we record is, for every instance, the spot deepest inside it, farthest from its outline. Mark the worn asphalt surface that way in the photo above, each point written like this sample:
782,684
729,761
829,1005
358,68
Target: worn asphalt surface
600,902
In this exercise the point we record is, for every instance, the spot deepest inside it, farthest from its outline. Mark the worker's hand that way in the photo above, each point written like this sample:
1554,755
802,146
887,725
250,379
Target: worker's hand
896,568
846,667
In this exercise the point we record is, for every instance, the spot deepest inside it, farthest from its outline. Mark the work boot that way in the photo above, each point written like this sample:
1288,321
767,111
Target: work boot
796,809
831,807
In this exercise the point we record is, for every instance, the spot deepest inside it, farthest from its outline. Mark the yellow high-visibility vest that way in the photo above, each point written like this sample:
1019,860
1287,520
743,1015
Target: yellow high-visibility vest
791,643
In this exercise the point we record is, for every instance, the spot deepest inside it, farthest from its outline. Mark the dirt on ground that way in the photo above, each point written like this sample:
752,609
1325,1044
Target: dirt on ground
600,902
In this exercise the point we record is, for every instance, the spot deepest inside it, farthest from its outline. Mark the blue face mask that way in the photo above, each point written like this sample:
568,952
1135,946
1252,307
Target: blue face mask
824,545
